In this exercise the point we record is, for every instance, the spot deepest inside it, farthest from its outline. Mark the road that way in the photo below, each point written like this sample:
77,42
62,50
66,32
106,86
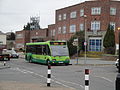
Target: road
102,77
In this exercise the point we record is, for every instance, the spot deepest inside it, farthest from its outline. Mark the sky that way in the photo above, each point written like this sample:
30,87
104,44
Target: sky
14,14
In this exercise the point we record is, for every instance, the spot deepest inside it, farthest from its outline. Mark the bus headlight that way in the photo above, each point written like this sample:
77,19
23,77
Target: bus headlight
67,60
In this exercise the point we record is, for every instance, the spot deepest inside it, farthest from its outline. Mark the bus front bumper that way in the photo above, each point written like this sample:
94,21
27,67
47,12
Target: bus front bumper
60,62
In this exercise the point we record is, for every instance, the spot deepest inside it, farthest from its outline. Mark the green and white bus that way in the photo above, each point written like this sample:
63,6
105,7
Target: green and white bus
54,52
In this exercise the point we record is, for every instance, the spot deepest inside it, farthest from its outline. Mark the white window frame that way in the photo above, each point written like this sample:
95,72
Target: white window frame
95,25
96,10
19,35
64,16
72,28
59,30
73,14
64,29
81,12
59,17
112,11
113,24
53,32
81,27
94,46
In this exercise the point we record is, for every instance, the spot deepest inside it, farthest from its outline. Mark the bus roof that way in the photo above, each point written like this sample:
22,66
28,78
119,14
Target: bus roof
42,43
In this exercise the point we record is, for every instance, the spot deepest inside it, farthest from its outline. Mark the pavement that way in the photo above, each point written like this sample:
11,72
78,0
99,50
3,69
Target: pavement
91,61
27,86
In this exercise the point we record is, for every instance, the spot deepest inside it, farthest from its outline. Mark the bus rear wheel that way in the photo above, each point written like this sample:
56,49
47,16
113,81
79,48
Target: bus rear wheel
30,59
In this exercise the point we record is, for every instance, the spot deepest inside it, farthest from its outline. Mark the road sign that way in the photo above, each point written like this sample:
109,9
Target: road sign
76,40
85,43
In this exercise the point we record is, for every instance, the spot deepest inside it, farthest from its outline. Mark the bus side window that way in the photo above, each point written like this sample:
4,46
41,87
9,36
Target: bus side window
39,49
48,50
33,48
44,50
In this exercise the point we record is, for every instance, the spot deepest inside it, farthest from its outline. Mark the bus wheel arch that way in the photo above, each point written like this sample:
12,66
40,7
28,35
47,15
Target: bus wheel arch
47,61
30,59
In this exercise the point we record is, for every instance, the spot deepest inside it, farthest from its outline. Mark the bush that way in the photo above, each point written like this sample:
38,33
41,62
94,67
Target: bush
109,50
73,49
92,54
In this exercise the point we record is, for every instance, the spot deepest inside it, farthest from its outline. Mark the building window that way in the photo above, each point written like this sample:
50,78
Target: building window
95,25
59,30
95,44
96,10
81,27
113,24
19,36
64,29
81,12
53,32
59,17
64,16
73,14
1,42
72,28
112,11
19,45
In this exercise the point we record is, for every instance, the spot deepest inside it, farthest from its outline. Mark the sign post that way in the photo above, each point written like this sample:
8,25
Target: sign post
75,43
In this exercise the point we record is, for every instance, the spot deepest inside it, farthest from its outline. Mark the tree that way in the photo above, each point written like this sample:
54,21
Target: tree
27,27
73,49
109,41
11,36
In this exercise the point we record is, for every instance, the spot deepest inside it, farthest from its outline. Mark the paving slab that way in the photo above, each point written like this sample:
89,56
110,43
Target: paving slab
28,86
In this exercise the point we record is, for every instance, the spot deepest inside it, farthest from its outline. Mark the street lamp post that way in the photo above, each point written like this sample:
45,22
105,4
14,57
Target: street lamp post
85,43
118,75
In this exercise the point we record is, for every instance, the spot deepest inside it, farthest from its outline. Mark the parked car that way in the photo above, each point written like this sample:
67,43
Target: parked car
117,63
13,54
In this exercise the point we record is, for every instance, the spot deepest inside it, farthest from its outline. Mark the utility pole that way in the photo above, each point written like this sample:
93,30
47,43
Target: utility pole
118,75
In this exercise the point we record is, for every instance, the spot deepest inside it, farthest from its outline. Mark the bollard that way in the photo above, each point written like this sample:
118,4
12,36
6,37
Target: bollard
49,75
4,63
86,79
118,82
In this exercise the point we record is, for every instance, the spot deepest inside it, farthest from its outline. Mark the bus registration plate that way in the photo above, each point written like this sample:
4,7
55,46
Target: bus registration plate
60,62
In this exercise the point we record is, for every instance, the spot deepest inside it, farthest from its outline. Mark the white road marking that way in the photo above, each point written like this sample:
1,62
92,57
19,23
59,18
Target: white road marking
68,82
27,71
104,78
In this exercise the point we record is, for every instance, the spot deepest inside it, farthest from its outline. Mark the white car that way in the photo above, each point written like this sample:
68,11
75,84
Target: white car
117,63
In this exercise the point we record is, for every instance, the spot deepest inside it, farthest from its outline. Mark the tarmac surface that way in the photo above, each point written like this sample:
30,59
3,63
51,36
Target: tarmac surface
13,85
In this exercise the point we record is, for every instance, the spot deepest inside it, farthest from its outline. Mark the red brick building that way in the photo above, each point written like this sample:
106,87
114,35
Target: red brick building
26,36
92,16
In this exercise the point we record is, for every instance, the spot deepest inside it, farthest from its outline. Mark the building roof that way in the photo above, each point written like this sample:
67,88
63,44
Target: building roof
1,33
86,2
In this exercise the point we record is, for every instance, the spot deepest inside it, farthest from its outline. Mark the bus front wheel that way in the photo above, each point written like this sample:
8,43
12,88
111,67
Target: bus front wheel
47,62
